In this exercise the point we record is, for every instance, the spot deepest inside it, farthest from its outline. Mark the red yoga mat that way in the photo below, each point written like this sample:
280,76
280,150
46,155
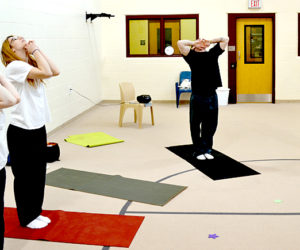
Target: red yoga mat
79,228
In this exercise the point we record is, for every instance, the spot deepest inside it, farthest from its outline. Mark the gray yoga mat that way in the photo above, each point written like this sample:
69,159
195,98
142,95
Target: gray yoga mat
114,186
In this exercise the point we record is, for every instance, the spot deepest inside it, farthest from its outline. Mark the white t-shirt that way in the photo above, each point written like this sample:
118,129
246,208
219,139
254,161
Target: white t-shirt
3,144
33,111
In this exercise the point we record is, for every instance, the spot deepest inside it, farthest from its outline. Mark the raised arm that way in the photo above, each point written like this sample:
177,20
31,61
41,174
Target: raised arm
8,94
43,69
53,67
185,46
222,40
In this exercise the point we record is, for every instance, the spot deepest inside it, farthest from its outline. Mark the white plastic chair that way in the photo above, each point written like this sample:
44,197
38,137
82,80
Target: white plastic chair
128,100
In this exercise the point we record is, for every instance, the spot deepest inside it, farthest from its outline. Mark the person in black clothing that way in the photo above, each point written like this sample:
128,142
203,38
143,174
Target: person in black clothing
206,79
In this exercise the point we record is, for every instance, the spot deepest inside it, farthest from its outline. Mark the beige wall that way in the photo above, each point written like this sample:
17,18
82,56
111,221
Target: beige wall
157,76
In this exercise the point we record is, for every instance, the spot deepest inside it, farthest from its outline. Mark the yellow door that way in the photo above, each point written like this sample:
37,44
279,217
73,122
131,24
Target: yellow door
254,59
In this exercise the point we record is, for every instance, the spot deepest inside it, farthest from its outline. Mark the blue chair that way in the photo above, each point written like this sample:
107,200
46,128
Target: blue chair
183,75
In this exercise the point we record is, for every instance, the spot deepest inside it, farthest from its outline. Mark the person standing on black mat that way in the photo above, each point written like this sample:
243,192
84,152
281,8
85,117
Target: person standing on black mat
206,79
8,97
25,67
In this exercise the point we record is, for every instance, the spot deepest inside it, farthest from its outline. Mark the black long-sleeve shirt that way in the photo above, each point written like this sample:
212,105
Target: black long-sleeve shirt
205,70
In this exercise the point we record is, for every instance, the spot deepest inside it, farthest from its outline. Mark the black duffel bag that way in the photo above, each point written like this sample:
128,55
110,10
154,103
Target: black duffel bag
144,98
53,152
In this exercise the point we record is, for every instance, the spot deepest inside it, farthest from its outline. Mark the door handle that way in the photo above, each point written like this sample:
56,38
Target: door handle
239,55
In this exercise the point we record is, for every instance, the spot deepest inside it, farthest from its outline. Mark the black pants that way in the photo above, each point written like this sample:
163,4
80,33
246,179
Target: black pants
27,150
2,188
203,122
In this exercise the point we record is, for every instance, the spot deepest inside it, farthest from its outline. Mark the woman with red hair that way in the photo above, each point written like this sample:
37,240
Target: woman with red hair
26,67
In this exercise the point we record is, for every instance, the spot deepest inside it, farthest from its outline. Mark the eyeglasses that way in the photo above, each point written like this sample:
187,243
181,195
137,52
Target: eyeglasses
11,39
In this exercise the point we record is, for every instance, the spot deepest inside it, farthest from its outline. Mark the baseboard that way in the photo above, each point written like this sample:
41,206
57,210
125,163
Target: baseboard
116,102
287,101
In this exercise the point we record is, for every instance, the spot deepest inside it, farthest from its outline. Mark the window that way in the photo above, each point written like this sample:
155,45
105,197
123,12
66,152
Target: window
148,36
254,44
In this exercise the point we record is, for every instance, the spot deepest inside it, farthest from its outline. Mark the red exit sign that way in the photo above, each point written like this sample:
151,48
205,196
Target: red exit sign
254,4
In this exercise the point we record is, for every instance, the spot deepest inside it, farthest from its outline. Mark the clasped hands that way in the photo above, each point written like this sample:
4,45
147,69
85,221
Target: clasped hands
200,45
31,46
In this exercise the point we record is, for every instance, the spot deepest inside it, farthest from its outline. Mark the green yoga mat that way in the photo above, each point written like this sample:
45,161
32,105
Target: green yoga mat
114,186
92,139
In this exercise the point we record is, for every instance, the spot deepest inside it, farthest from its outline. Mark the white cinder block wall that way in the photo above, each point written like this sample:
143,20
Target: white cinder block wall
59,28
157,76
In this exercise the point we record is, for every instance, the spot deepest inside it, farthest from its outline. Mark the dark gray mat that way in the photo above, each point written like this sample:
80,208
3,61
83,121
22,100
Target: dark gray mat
114,186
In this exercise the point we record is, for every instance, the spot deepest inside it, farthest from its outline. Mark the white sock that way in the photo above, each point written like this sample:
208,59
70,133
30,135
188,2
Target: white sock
201,157
44,219
209,156
36,224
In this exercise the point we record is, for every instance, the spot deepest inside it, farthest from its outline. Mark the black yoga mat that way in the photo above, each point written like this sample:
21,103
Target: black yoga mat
221,167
